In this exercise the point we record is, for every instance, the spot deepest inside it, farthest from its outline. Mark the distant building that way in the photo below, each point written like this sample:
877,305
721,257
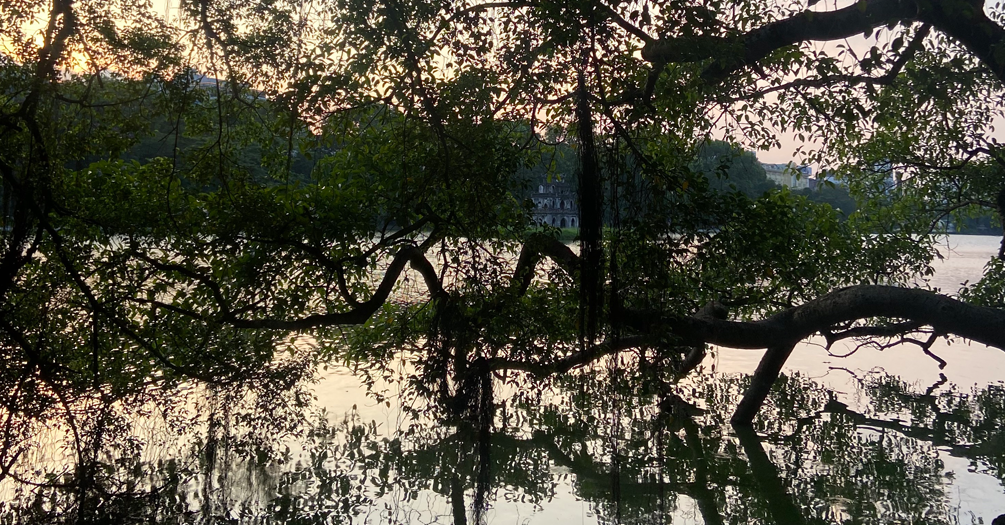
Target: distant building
891,179
789,175
555,204
207,82
830,178
212,86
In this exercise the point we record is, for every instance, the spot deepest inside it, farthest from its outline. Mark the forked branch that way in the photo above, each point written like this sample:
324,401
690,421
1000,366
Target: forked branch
962,20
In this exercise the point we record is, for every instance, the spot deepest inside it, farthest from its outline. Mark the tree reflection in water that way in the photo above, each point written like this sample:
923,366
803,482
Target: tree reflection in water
637,450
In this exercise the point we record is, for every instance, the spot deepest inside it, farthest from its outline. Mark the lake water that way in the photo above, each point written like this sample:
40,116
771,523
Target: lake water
875,437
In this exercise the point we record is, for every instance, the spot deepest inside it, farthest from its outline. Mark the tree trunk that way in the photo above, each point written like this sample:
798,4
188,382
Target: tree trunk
1000,204
760,385
590,218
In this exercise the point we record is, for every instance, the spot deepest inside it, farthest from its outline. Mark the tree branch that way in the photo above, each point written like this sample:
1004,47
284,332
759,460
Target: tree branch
537,246
919,307
892,330
944,314
561,366
962,20
626,25
884,80
408,255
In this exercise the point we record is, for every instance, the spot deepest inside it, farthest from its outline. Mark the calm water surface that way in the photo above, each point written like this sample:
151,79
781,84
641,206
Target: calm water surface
874,437
965,490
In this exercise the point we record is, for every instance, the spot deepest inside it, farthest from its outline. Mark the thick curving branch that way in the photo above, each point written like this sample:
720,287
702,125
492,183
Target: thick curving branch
733,53
779,333
534,250
885,79
537,247
410,255
944,314
783,330
963,20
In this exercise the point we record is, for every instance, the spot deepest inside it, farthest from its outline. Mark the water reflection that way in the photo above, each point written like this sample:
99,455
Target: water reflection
599,446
